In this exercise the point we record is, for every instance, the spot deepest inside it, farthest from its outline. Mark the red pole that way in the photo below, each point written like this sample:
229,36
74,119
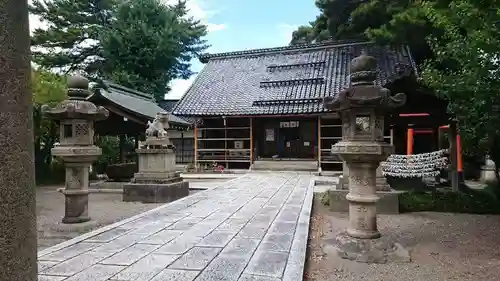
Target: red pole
409,142
459,155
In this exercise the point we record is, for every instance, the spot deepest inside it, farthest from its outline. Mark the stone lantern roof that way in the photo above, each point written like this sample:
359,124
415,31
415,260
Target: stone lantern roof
363,92
76,107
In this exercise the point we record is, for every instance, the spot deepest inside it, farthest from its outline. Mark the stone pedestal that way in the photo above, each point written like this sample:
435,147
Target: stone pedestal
157,180
362,200
380,250
17,175
381,181
76,193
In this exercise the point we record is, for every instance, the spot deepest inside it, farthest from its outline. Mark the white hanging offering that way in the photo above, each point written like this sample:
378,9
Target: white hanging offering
415,166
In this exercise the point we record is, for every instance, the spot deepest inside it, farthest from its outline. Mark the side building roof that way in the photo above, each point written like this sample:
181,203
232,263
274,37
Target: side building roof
285,80
139,103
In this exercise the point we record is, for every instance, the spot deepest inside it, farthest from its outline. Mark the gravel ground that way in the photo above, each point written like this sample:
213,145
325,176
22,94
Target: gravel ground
104,209
443,247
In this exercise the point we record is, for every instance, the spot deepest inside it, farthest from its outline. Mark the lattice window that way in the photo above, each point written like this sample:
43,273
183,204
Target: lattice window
81,130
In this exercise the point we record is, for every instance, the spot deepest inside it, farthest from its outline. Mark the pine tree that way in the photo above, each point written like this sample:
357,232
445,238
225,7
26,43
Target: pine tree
149,44
71,40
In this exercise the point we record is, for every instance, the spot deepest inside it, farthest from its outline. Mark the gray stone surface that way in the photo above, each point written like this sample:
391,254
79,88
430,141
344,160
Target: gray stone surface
155,193
130,255
96,272
17,184
176,275
196,259
249,277
251,228
146,268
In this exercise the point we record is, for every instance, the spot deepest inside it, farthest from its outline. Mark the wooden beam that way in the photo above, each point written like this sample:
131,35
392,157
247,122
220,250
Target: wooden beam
225,142
319,141
251,140
195,145
122,113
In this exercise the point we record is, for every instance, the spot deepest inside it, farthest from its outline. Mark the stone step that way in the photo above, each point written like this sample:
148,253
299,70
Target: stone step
282,165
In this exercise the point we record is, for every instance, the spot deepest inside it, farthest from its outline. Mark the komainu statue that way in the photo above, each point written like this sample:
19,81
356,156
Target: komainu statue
156,133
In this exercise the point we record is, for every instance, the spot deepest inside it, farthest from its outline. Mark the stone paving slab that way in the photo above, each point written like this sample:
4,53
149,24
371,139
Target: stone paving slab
254,227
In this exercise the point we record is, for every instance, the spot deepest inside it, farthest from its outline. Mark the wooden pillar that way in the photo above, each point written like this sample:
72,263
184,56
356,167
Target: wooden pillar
319,142
195,145
182,147
225,141
251,141
391,132
409,142
453,156
460,168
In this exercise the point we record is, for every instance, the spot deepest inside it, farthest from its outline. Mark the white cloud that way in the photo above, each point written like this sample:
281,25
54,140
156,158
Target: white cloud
211,27
198,11
285,30
179,87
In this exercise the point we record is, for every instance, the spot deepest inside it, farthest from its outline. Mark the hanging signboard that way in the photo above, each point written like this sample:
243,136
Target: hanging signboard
269,134
289,124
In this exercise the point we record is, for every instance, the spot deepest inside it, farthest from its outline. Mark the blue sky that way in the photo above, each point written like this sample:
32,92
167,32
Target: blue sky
236,25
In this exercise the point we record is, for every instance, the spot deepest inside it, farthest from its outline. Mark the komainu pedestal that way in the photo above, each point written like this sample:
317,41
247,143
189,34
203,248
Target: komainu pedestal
157,180
363,107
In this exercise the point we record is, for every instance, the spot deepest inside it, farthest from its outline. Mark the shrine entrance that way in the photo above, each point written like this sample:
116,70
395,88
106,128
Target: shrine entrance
286,138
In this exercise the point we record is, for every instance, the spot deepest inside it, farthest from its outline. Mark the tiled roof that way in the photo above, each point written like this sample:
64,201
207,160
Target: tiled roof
168,105
134,101
285,80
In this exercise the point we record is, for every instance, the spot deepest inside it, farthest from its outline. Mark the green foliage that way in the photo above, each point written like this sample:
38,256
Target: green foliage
110,146
48,88
70,40
149,43
332,23
473,202
325,198
386,22
465,69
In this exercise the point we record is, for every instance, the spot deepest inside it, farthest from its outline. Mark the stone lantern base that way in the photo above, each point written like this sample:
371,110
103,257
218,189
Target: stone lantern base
380,250
76,206
156,181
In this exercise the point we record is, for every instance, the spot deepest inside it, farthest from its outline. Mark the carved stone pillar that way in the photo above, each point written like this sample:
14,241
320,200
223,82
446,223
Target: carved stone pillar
18,246
362,200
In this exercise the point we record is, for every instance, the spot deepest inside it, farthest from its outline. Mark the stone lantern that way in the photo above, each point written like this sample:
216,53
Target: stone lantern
362,108
76,118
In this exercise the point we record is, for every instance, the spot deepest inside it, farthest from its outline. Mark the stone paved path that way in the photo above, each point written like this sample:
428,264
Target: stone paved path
253,228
